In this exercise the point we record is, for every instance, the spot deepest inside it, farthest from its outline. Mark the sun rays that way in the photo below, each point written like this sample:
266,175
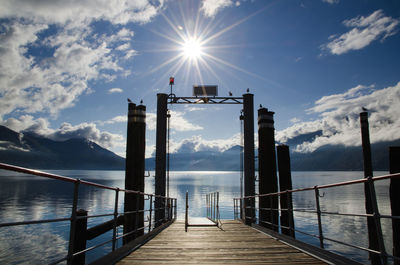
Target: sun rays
195,45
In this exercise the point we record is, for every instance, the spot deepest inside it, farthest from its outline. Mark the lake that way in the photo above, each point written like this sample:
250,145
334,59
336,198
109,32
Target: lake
24,197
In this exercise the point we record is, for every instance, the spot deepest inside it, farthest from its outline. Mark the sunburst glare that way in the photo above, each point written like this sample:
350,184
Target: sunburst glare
192,48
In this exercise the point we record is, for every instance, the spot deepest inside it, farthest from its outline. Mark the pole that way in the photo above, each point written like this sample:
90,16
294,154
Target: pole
160,157
248,161
268,180
285,183
394,165
366,146
134,173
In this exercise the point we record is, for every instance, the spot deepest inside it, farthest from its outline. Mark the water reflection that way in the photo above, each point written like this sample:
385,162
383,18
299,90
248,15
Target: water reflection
31,198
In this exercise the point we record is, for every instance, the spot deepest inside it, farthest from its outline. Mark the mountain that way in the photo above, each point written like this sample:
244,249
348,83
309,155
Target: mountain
34,151
326,158
340,157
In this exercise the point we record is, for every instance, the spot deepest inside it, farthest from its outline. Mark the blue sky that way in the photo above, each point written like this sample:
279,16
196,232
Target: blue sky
67,67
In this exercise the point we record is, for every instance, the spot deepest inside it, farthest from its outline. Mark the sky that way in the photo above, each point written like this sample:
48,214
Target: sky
67,68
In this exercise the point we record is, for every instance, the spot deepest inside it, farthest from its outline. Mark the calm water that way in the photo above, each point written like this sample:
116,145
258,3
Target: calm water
31,198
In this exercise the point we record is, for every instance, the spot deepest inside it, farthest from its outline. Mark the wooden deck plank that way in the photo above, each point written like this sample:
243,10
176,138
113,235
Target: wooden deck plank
235,243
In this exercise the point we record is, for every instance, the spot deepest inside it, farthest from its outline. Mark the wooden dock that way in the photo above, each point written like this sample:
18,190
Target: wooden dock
233,243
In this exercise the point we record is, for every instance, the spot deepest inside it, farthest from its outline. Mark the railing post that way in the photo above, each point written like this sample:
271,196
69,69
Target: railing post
321,236
377,222
115,219
186,212
80,237
394,165
137,215
73,223
217,219
175,209
151,211
234,209
215,205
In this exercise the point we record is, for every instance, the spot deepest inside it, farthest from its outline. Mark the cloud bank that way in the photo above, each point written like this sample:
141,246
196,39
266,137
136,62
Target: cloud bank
339,118
54,53
363,31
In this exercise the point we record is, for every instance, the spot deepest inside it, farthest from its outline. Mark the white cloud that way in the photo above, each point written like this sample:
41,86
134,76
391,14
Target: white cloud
73,54
197,143
78,12
178,122
115,90
211,7
294,120
331,1
364,30
339,118
32,84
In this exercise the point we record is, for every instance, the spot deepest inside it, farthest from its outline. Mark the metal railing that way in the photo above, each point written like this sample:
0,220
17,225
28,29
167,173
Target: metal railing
212,206
241,205
169,207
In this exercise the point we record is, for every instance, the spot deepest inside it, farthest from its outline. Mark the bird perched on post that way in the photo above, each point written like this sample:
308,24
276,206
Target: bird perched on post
248,90
230,93
364,109
260,106
129,100
141,101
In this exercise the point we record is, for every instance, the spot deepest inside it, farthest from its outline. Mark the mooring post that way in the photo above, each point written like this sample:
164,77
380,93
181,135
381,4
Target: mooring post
134,172
285,183
161,154
366,146
394,162
268,182
248,161
80,237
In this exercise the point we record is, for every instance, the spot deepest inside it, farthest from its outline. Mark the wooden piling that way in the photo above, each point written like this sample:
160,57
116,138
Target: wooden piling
80,237
248,161
394,162
285,183
134,173
371,222
268,182
161,154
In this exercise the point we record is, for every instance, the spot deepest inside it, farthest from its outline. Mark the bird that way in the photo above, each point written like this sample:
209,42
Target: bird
260,106
230,93
364,109
248,90
141,101
129,100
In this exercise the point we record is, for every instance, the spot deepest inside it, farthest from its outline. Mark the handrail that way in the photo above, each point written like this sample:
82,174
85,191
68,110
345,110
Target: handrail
325,186
68,179
212,206
169,206
241,203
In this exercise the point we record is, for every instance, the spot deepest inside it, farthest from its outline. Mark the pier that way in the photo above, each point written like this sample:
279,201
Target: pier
233,243
263,229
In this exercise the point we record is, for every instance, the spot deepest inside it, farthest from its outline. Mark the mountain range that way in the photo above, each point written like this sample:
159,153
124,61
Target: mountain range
31,150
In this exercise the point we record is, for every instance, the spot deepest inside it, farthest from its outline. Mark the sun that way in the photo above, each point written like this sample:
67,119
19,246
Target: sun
192,49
